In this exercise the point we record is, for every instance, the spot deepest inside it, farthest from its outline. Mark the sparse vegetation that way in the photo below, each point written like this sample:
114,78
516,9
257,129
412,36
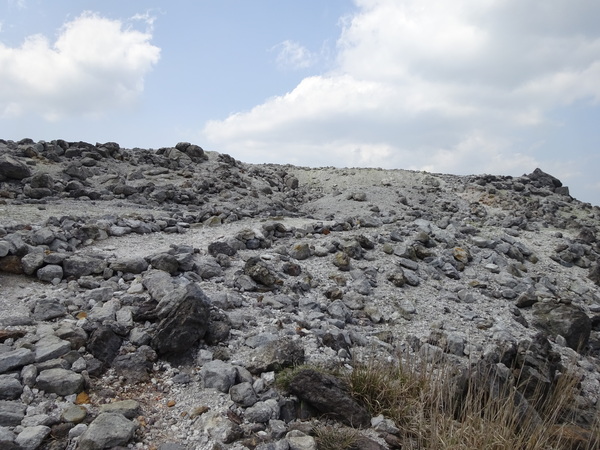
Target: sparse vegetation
435,411
283,378
336,438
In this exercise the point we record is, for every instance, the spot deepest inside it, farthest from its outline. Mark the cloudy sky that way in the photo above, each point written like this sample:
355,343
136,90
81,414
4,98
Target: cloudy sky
462,86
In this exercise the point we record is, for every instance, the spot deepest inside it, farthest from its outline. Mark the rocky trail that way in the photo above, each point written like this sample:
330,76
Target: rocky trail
149,298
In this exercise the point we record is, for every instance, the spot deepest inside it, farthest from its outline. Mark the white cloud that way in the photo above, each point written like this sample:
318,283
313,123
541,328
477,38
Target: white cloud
95,65
292,55
429,84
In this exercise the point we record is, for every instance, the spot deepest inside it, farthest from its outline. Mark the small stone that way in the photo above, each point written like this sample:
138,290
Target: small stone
74,414
300,441
300,251
82,398
127,408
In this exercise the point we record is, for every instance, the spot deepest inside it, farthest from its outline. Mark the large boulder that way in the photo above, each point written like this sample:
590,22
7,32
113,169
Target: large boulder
568,321
78,266
11,168
328,395
60,381
540,178
184,321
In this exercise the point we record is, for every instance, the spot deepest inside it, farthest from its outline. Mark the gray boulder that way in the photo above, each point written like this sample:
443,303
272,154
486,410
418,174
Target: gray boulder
42,181
31,437
208,267
243,394
4,248
50,272
11,413
276,355
262,412
15,359
158,283
7,439
165,262
539,178
48,309
106,431
10,387
134,367
218,375
221,247
77,170
50,347
60,381
32,262
300,251
594,273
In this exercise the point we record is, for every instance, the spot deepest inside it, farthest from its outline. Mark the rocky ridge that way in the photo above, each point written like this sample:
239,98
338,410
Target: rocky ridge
149,297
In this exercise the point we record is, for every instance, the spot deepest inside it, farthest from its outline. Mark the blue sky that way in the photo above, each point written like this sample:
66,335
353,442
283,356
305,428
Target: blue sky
464,87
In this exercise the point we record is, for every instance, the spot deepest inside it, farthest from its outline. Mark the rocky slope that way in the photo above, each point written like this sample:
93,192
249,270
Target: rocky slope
148,298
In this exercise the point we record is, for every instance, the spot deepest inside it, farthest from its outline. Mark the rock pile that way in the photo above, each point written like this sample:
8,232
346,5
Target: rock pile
172,286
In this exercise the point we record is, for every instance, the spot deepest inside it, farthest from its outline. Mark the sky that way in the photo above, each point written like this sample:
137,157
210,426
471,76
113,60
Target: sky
462,87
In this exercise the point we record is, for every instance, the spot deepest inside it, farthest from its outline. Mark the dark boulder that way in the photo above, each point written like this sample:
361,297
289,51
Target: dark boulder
11,264
594,274
104,344
568,321
11,168
539,178
220,247
329,396
184,322
135,367
260,272
78,266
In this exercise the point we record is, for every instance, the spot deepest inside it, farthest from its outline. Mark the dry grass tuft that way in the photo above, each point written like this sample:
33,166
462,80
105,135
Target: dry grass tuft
436,408
336,438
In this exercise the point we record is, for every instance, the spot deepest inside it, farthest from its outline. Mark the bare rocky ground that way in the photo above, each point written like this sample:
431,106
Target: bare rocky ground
148,298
